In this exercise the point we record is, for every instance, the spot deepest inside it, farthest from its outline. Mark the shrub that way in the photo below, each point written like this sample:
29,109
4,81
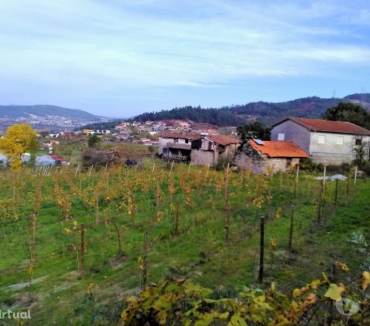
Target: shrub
307,164
343,168
222,162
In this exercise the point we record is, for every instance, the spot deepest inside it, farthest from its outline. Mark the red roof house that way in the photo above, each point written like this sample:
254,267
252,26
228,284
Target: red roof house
327,142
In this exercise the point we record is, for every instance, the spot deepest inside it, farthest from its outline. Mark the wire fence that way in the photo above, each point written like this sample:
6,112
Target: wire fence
206,194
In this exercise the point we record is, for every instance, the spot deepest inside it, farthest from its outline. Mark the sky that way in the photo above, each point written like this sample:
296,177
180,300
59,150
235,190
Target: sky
119,58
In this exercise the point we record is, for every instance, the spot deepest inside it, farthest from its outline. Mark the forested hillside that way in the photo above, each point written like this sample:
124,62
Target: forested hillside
265,112
219,117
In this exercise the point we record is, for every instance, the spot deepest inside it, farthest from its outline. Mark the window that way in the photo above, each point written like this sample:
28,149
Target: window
358,141
340,140
321,140
281,136
186,141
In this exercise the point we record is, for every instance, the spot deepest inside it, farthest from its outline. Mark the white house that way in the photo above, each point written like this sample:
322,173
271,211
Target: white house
327,142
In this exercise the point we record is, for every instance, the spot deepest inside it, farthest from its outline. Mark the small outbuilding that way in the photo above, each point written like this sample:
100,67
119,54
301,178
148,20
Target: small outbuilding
269,156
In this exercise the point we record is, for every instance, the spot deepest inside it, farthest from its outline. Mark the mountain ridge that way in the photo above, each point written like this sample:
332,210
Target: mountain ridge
265,112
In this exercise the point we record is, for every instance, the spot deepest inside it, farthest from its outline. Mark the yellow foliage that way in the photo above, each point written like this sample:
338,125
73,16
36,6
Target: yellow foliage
335,291
343,267
365,280
17,139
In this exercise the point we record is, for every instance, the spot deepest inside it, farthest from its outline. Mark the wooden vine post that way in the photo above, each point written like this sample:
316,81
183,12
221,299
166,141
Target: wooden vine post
92,167
290,244
227,226
96,208
144,276
33,240
349,175
171,168
207,171
32,260
296,182
176,228
77,169
82,249
227,185
262,250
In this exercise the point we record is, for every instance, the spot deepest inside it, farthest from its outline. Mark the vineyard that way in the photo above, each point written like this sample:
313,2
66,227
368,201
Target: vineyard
75,244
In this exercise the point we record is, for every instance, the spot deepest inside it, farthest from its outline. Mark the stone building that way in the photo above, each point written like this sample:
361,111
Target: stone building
212,148
269,156
196,149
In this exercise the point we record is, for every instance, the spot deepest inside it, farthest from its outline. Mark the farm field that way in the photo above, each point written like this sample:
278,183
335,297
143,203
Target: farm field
75,243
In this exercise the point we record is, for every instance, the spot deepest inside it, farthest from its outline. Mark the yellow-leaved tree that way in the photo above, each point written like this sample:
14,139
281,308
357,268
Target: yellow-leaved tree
18,139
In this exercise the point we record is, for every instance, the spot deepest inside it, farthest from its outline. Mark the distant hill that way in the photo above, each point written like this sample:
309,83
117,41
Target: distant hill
265,112
46,116
18,111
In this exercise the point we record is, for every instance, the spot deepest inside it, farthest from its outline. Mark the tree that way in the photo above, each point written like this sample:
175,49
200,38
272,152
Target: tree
361,150
94,141
253,130
350,112
18,139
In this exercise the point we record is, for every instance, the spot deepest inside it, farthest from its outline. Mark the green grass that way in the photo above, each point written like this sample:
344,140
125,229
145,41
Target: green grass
198,252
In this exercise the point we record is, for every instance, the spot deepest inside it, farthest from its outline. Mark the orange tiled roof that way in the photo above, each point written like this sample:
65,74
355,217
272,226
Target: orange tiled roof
223,140
279,149
331,126
180,135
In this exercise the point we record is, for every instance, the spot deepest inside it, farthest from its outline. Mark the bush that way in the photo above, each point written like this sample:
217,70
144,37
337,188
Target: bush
343,168
306,164
366,168
309,165
223,162
101,158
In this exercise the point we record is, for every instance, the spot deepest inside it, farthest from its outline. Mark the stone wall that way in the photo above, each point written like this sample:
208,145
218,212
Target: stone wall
200,157
331,159
263,164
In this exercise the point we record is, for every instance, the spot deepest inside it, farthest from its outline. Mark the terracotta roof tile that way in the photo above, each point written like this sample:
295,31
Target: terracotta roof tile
331,126
223,140
56,157
279,149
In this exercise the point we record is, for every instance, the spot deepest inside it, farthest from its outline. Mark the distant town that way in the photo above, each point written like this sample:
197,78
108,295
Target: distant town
145,133
48,121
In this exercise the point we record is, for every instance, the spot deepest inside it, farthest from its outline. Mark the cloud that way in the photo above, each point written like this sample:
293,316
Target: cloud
94,46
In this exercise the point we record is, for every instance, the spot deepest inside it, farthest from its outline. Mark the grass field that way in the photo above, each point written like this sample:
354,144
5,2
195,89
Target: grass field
121,205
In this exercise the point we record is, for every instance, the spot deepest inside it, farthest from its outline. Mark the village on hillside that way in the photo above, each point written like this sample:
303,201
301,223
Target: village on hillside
292,139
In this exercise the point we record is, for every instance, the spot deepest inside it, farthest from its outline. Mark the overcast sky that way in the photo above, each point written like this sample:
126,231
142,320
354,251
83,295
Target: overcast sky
125,57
